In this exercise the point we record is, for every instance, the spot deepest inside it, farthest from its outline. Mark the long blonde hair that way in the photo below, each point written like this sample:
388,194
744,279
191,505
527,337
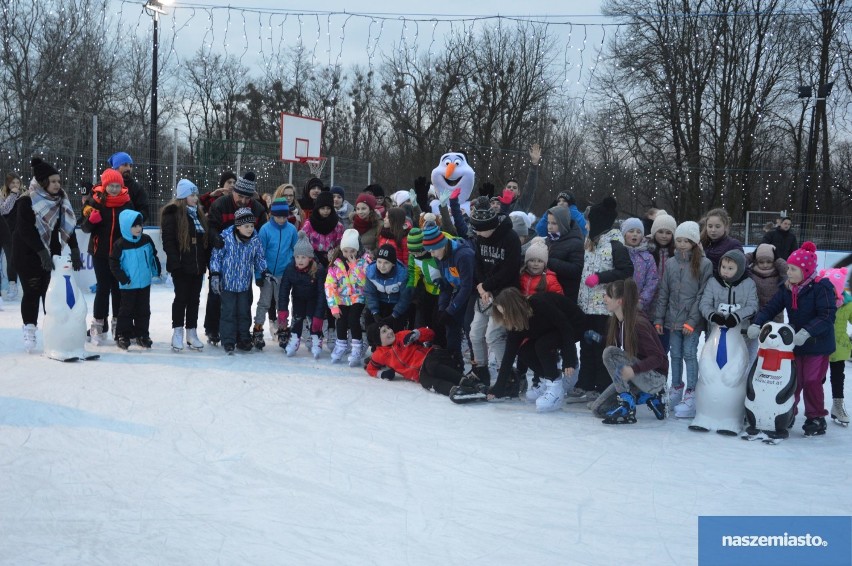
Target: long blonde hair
183,223
516,310
723,216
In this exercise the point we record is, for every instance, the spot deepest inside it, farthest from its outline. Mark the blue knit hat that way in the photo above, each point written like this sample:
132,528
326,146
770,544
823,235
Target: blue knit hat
433,238
632,224
118,159
280,207
338,191
185,187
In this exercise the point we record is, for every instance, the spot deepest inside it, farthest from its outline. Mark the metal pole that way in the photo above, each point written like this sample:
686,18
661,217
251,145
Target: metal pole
369,172
747,226
810,172
290,176
94,150
152,148
174,161
331,179
239,157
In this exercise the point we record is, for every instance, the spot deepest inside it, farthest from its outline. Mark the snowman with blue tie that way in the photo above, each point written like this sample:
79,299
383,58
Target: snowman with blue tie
65,308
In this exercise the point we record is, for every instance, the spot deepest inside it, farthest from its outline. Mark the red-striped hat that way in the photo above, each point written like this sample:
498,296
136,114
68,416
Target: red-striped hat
433,238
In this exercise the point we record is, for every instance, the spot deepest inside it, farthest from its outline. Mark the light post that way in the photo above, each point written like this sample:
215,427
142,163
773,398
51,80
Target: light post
813,139
154,8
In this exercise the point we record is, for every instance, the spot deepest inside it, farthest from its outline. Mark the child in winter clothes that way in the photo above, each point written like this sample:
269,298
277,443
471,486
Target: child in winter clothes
134,262
565,250
323,228
715,239
344,293
661,246
535,277
634,358
768,273
109,199
231,275
395,233
386,291
811,306
686,274
606,260
185,235
342,207
305,277
424,278
644,267
367,222
837,360
407,353
288,193
278,238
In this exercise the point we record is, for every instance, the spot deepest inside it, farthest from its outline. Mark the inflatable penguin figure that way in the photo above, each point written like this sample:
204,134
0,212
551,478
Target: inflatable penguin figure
720,391
65,315
453,172
771,385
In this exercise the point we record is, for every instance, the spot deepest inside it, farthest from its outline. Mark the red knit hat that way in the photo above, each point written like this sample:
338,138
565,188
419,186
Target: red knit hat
111,176
367,199
804,258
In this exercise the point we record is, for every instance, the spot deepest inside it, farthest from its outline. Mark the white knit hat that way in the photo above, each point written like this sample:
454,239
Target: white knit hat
350,239
663,221
536,250
690,231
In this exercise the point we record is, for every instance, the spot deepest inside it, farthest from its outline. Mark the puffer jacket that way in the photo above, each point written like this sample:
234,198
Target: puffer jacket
610,260
105,233
235,260
424,270
738,297
190,262
390,289
646,277
304,288
680,292
767,283
404,360
344,283
323,243
715,249
133,260
278,242
565,253
546,282
815,312
843,347
457,273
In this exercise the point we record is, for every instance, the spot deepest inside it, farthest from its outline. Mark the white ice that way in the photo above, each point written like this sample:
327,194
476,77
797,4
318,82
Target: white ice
198,458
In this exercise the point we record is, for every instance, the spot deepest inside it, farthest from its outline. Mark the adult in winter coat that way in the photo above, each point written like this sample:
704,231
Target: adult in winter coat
46,223
539,328
606,260
565,250
715,239
109,200
227,181
186,242
9,195
123,163
782,238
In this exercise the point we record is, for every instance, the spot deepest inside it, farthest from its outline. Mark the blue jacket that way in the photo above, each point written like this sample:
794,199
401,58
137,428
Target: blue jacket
304,289
815,313
576,216
391,289
457,270
233,262
133,260
278,243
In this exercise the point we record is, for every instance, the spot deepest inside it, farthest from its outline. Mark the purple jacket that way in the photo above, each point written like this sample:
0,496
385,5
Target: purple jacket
646,277
716,249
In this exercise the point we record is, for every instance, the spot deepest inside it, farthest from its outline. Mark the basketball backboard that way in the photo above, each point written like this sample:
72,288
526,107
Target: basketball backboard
301,138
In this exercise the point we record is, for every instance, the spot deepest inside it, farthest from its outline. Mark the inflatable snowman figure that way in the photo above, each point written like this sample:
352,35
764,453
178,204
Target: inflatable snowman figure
453,172
65,308
771,388
721,389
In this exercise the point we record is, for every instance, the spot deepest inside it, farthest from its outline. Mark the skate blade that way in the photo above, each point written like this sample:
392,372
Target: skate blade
837,421
697,428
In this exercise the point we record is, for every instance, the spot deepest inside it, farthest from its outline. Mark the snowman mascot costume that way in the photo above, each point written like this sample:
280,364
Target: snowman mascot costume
453,172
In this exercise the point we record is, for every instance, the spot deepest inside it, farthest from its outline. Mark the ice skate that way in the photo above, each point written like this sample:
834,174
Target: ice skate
339,350
96,332
553,397
356,353
625,413
213,338
655,403
29,337
12,291
316,346
273,328
686,408
535,390
292,346
814,427
123,342
145,342
461,394
177,339
192,340
257,337
245,345
838,412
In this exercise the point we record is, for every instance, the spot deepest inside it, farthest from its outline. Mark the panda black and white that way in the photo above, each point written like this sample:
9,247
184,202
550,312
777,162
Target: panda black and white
772,383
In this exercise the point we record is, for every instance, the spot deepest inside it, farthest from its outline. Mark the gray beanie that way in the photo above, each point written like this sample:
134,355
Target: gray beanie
303,245
738,257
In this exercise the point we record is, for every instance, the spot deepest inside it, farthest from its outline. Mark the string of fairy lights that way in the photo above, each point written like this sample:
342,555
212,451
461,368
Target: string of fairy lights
262,39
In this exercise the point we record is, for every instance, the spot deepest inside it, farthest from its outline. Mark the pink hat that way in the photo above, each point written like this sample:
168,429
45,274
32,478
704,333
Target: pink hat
804,258
837,277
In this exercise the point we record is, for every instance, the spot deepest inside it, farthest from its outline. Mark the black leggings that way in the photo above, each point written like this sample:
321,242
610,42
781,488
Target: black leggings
6,241
107,285
542,355
187,299
593,374
34,290
350,320
439,373
837,374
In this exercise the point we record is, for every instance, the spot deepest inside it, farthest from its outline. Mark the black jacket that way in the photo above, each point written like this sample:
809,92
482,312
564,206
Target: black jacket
105,233
565,258
498,258
221,216
784,241
303,288
191,262
28,242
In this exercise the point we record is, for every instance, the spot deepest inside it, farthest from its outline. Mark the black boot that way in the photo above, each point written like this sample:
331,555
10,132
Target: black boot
814,427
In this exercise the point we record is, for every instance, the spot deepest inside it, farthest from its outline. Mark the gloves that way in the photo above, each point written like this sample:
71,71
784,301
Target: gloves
455,194
592,280
412,197
95,216
753,332
215,283
316,324
801,337
76,262
412,336
592,337
443,198
282,319
508,197
264,277
717,318
46,260
732,320
486,189
388,374
421,185
124,280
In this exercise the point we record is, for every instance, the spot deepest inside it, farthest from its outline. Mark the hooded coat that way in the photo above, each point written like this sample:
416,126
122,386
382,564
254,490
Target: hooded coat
133,260
565,253
737,296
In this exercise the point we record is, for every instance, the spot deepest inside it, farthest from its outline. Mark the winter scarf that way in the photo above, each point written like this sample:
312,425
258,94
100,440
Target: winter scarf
193,215
325,225
794,289
112,201
363,226
50,209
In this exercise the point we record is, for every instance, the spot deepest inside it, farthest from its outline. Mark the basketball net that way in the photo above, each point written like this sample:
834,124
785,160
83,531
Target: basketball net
316,165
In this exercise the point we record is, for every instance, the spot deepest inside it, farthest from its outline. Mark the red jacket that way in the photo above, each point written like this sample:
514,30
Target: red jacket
404,360
532,284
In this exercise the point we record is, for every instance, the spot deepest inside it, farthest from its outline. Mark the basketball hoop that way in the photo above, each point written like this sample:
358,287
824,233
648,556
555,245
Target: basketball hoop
315,165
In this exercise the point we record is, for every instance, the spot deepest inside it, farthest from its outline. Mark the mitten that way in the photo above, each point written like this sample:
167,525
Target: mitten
592,337
592,280
76,262
412,336
717,318
508,197
46,260
801,337
732,320
444,197
388,374
282,319
412,197
455,194
95,216
215,283
316,324
753,331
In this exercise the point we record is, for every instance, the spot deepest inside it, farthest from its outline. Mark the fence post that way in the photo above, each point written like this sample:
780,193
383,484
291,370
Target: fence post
290,176
331,179
95,177
174,162
369,172
747,226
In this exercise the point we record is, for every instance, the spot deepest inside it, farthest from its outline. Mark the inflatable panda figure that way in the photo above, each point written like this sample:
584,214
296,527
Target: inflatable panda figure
771,387
721,388
65,308
453,172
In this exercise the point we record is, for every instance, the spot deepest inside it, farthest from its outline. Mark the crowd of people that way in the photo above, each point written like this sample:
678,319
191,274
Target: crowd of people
485,305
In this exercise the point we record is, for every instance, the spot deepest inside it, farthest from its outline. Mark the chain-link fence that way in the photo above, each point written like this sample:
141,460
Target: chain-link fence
828,232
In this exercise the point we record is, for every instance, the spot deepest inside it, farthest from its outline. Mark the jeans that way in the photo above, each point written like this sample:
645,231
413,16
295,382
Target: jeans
684,348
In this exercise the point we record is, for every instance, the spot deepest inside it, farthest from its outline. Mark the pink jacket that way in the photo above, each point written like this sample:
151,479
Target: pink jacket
323,243
344,284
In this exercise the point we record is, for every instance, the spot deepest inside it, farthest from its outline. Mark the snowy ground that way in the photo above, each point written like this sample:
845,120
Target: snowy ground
198,458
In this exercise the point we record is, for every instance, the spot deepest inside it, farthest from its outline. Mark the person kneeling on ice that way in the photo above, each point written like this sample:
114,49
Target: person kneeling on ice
409,354
539,327
811,308
634,358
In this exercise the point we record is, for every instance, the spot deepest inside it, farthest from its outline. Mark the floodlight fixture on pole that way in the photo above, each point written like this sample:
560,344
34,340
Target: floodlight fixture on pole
806,92
156,8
